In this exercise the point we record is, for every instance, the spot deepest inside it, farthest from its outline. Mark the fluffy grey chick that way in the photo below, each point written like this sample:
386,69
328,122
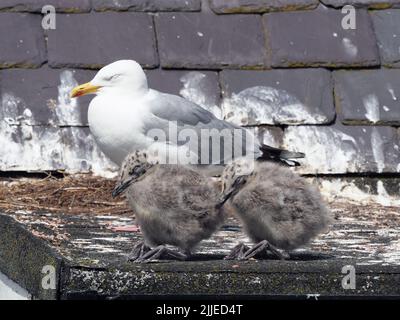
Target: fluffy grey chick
278,208
173,204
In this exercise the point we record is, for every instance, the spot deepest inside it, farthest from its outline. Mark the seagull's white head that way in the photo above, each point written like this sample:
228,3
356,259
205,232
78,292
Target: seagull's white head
122,76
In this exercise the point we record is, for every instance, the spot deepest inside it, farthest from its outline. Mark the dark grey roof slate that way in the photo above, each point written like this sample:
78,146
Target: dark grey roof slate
387,30
373,4
96,39
30,148
368,96
199,86
22,40
316,38
80,152
270,135
260,6
190,40
45,93
146,5
37,5
300,96
343,149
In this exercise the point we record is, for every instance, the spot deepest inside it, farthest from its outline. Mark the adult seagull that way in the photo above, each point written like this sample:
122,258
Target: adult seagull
126,115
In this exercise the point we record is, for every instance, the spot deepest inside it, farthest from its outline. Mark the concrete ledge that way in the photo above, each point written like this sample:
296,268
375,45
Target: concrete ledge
267,278
89,257
22,257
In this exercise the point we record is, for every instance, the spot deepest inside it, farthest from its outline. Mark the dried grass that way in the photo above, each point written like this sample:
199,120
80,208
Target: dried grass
71,194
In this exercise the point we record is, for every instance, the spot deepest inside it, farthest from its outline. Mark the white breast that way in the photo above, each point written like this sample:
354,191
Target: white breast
116,125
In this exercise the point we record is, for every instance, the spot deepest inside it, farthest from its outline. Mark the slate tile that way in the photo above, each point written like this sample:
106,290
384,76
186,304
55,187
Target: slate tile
22,40
205,40
387,30
37,5
50,148
147,5
299,96
372,4
316,38
200,87
269,135
343,149
368,96
81,153
42,96
30,148
260,6
96,39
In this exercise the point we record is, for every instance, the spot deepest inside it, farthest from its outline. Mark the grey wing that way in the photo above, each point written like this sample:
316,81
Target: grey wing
168,107
175,108
192,121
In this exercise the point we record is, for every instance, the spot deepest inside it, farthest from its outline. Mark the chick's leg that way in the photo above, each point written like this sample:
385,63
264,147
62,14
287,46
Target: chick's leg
237,252
139,249
261,247
161,253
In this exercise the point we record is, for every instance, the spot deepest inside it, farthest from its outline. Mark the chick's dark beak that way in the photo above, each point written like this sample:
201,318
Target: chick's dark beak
121,187
237,184
137,174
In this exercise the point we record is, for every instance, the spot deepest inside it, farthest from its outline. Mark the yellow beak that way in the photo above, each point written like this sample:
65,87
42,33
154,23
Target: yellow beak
83,89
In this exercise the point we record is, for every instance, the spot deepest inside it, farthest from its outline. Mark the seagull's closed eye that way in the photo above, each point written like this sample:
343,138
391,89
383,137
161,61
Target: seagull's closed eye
113,77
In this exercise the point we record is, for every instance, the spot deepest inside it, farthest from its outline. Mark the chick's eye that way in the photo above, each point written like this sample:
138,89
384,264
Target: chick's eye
133,170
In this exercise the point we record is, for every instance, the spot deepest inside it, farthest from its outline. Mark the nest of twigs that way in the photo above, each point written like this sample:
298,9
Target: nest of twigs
70,194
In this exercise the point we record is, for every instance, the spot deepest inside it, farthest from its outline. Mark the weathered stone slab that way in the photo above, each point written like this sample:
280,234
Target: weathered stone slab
299,96
22,40
316,38
344,149
368,96
23,257
372,4
205,40
42,96
37,5
82,155
257,6
200,87
93,258
146,5
90,41
387,30
30,148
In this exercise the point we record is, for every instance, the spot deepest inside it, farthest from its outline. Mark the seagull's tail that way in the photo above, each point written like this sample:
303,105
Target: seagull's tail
280,155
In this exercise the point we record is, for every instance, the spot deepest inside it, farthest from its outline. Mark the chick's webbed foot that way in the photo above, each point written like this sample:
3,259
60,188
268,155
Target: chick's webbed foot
139,249
261,248
237,252
159,253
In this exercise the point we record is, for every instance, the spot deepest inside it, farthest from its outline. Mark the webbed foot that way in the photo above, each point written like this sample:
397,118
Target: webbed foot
261,248
139,249
237,252
159,253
